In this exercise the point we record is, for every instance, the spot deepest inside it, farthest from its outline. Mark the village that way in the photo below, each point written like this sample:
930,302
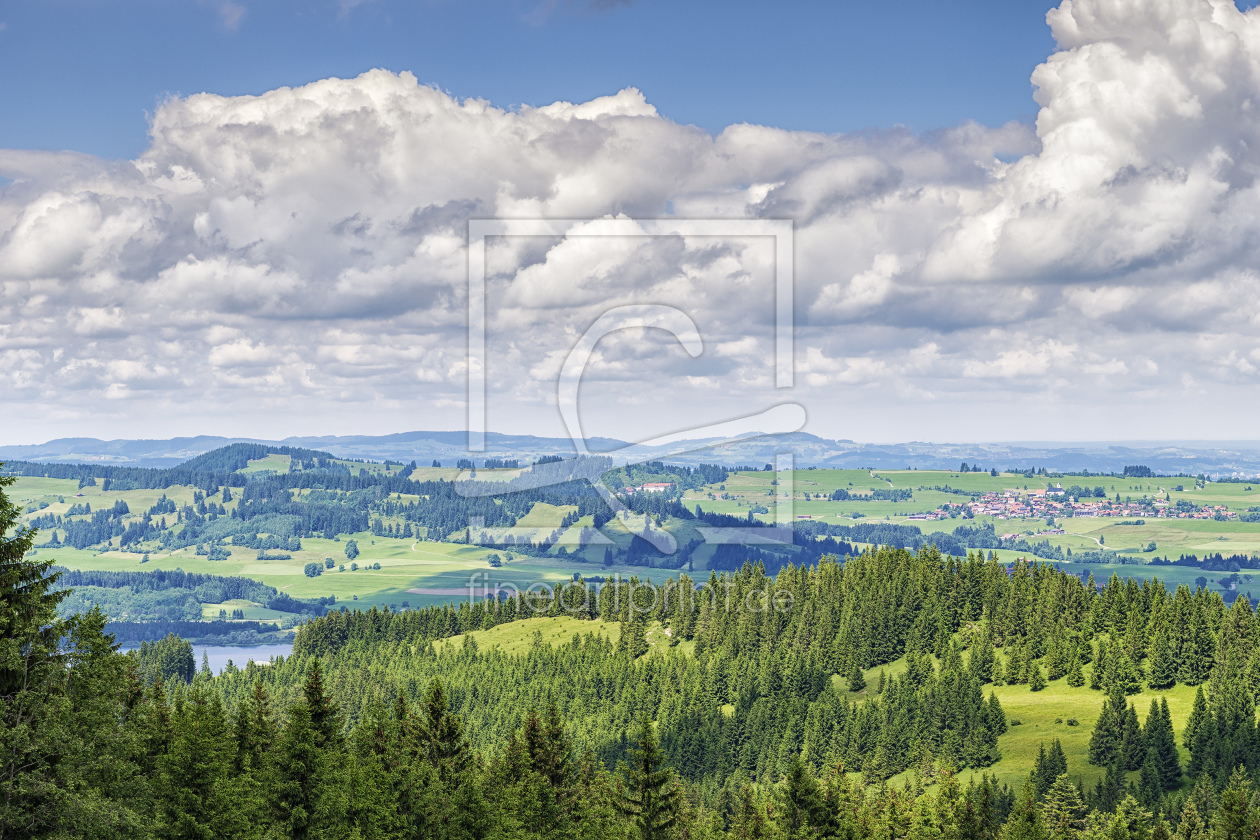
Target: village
1054,502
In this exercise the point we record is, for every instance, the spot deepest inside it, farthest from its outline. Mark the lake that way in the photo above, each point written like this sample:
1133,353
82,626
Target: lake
239,654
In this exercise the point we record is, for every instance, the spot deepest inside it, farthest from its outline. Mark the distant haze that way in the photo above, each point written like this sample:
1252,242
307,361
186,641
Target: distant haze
1211,457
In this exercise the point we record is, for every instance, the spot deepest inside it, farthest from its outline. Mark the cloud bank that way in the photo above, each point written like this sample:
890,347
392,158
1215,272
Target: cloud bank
295,262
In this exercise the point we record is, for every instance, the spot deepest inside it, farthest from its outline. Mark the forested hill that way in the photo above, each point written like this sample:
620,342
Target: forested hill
763,686
314,495
238,455
215,469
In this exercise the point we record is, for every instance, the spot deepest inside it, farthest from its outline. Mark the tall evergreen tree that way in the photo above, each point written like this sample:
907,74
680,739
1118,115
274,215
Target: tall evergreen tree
298,788
1108,734
983,656
1036,680
32,704
1062,812
649,796
1098,672
1109,789
857,682
749,819
1132,743
325,717
1075,674
1161,742
1123,672
1150,786
1234,818
799,800
196,793
1025,822
1198,711
1163,662
255,730
1049,767
1191,826
442,737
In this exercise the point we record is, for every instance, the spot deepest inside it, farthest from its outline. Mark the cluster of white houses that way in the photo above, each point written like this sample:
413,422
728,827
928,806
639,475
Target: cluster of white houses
1054,501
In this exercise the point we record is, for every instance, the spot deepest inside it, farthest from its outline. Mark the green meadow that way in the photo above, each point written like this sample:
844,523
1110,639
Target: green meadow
1039,717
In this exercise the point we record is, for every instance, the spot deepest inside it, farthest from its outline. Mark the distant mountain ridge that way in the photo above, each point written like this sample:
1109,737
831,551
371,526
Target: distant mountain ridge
1222,458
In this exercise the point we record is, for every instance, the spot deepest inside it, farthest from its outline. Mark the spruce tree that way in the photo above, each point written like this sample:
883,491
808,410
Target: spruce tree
1253,672
1040,782
1056,761
196,799
32,705
1017,665
1132,743
1075,674
255,730
1058,653
1199,652
1036,680
800,802
1110,788
1191,825
635,633
442,740
1234,819
1098,672
297,787
983,656
749,819
370,807
1024,822
649,795
1131,820
1062,812
1159,737
1123,672
857,682
1205,749
1150,784
1105,741
1050,765
324,716
1162,663
1198,711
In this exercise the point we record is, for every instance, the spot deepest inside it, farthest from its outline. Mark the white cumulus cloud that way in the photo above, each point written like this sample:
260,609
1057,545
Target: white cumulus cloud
299,256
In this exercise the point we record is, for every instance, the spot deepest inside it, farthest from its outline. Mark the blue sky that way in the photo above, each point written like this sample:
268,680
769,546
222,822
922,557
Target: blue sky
83,74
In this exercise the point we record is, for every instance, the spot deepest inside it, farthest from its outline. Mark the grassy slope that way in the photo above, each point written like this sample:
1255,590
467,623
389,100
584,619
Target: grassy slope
269,463
1043,716
517,636
1039,710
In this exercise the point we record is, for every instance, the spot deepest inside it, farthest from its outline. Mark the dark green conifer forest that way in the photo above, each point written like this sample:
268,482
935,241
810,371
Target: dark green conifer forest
762,726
